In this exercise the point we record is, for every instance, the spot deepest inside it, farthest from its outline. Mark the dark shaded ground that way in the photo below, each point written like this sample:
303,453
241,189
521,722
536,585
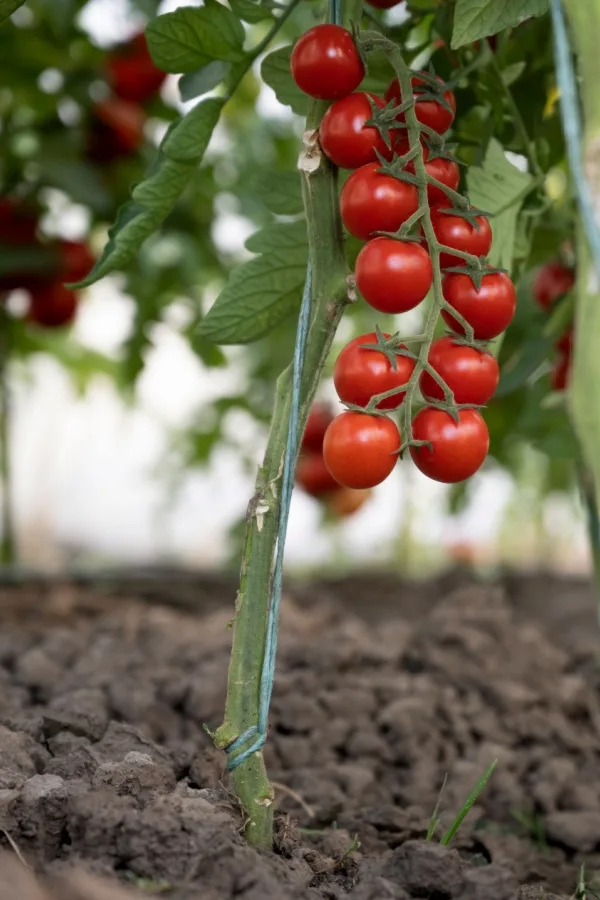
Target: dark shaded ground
383,689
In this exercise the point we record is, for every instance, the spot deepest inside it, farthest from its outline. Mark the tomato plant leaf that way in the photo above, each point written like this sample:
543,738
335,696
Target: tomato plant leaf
192,36
8,7
497,184
250,11
153,199
194,84
264,290
475,19
275,71
281,192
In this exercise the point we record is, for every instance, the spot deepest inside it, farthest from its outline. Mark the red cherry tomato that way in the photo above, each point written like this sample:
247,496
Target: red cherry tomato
371,201
383,4
428,112
456,232
316,425
359,374
551,282
559,377
444,170
565,343
131,72
76,259
471,375
457,448
393,276
360,450
325,63
345,139
313,476
345,502
489,310
117,130
52,306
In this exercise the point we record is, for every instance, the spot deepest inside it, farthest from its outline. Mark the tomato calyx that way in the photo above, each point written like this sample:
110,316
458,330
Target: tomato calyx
467,212
475,270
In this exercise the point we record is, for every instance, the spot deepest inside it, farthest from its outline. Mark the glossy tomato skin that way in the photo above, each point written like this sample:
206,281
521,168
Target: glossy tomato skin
552,281
131,72
360,451
489,311
313,476
457,448
359,374
345,502
116,130
325,63
76,260
444,170
345,139
471,375
316,425
371,201
393,276
456,232
52,306
428,112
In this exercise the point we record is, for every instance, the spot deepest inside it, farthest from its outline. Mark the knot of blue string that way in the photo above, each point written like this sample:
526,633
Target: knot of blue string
254,737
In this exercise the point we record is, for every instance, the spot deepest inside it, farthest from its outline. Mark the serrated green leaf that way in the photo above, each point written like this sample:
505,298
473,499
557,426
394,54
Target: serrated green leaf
192,36
8,7
281,192
497,185
250,11
194,84
504,227
475,19
263,291
275,71
169,180
189,139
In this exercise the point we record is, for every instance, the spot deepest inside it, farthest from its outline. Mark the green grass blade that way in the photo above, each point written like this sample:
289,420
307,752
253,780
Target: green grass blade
471,799
435,816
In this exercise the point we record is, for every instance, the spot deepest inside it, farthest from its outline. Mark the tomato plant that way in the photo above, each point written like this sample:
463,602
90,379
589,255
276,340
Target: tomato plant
361,373
436,114
452,451
345,138
360,451
472,375
488,309
393,276
325,63
371,201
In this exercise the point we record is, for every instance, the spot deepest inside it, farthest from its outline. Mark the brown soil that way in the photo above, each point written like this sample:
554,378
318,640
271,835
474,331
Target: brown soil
384,689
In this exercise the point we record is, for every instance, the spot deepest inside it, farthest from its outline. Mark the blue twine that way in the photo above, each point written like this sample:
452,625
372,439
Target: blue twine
267,675
571,119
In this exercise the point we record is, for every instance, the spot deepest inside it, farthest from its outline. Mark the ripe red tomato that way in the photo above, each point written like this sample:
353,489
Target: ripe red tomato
345,502
52,306
383,4
313,476
471,375
393,276
551,282
360,450
559,377
456,232
565,343
359,374
489,311
316,425
444,170
458,448
325,63
117,130
345,139
428,112
371,201
76,260
131,72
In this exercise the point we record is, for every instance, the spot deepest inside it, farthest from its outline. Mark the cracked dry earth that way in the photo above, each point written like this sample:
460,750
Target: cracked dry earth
110,789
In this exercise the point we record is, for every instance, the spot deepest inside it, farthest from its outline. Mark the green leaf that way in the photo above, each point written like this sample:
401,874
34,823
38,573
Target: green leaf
153,199
504,228
275,71
194,84
497,185
192,36
475,19
281,192
249,11
7,8
263,291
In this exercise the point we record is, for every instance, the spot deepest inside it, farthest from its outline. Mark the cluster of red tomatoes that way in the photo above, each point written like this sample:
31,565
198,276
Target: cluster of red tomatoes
312,474
51,303
394,276
117,128
552,281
